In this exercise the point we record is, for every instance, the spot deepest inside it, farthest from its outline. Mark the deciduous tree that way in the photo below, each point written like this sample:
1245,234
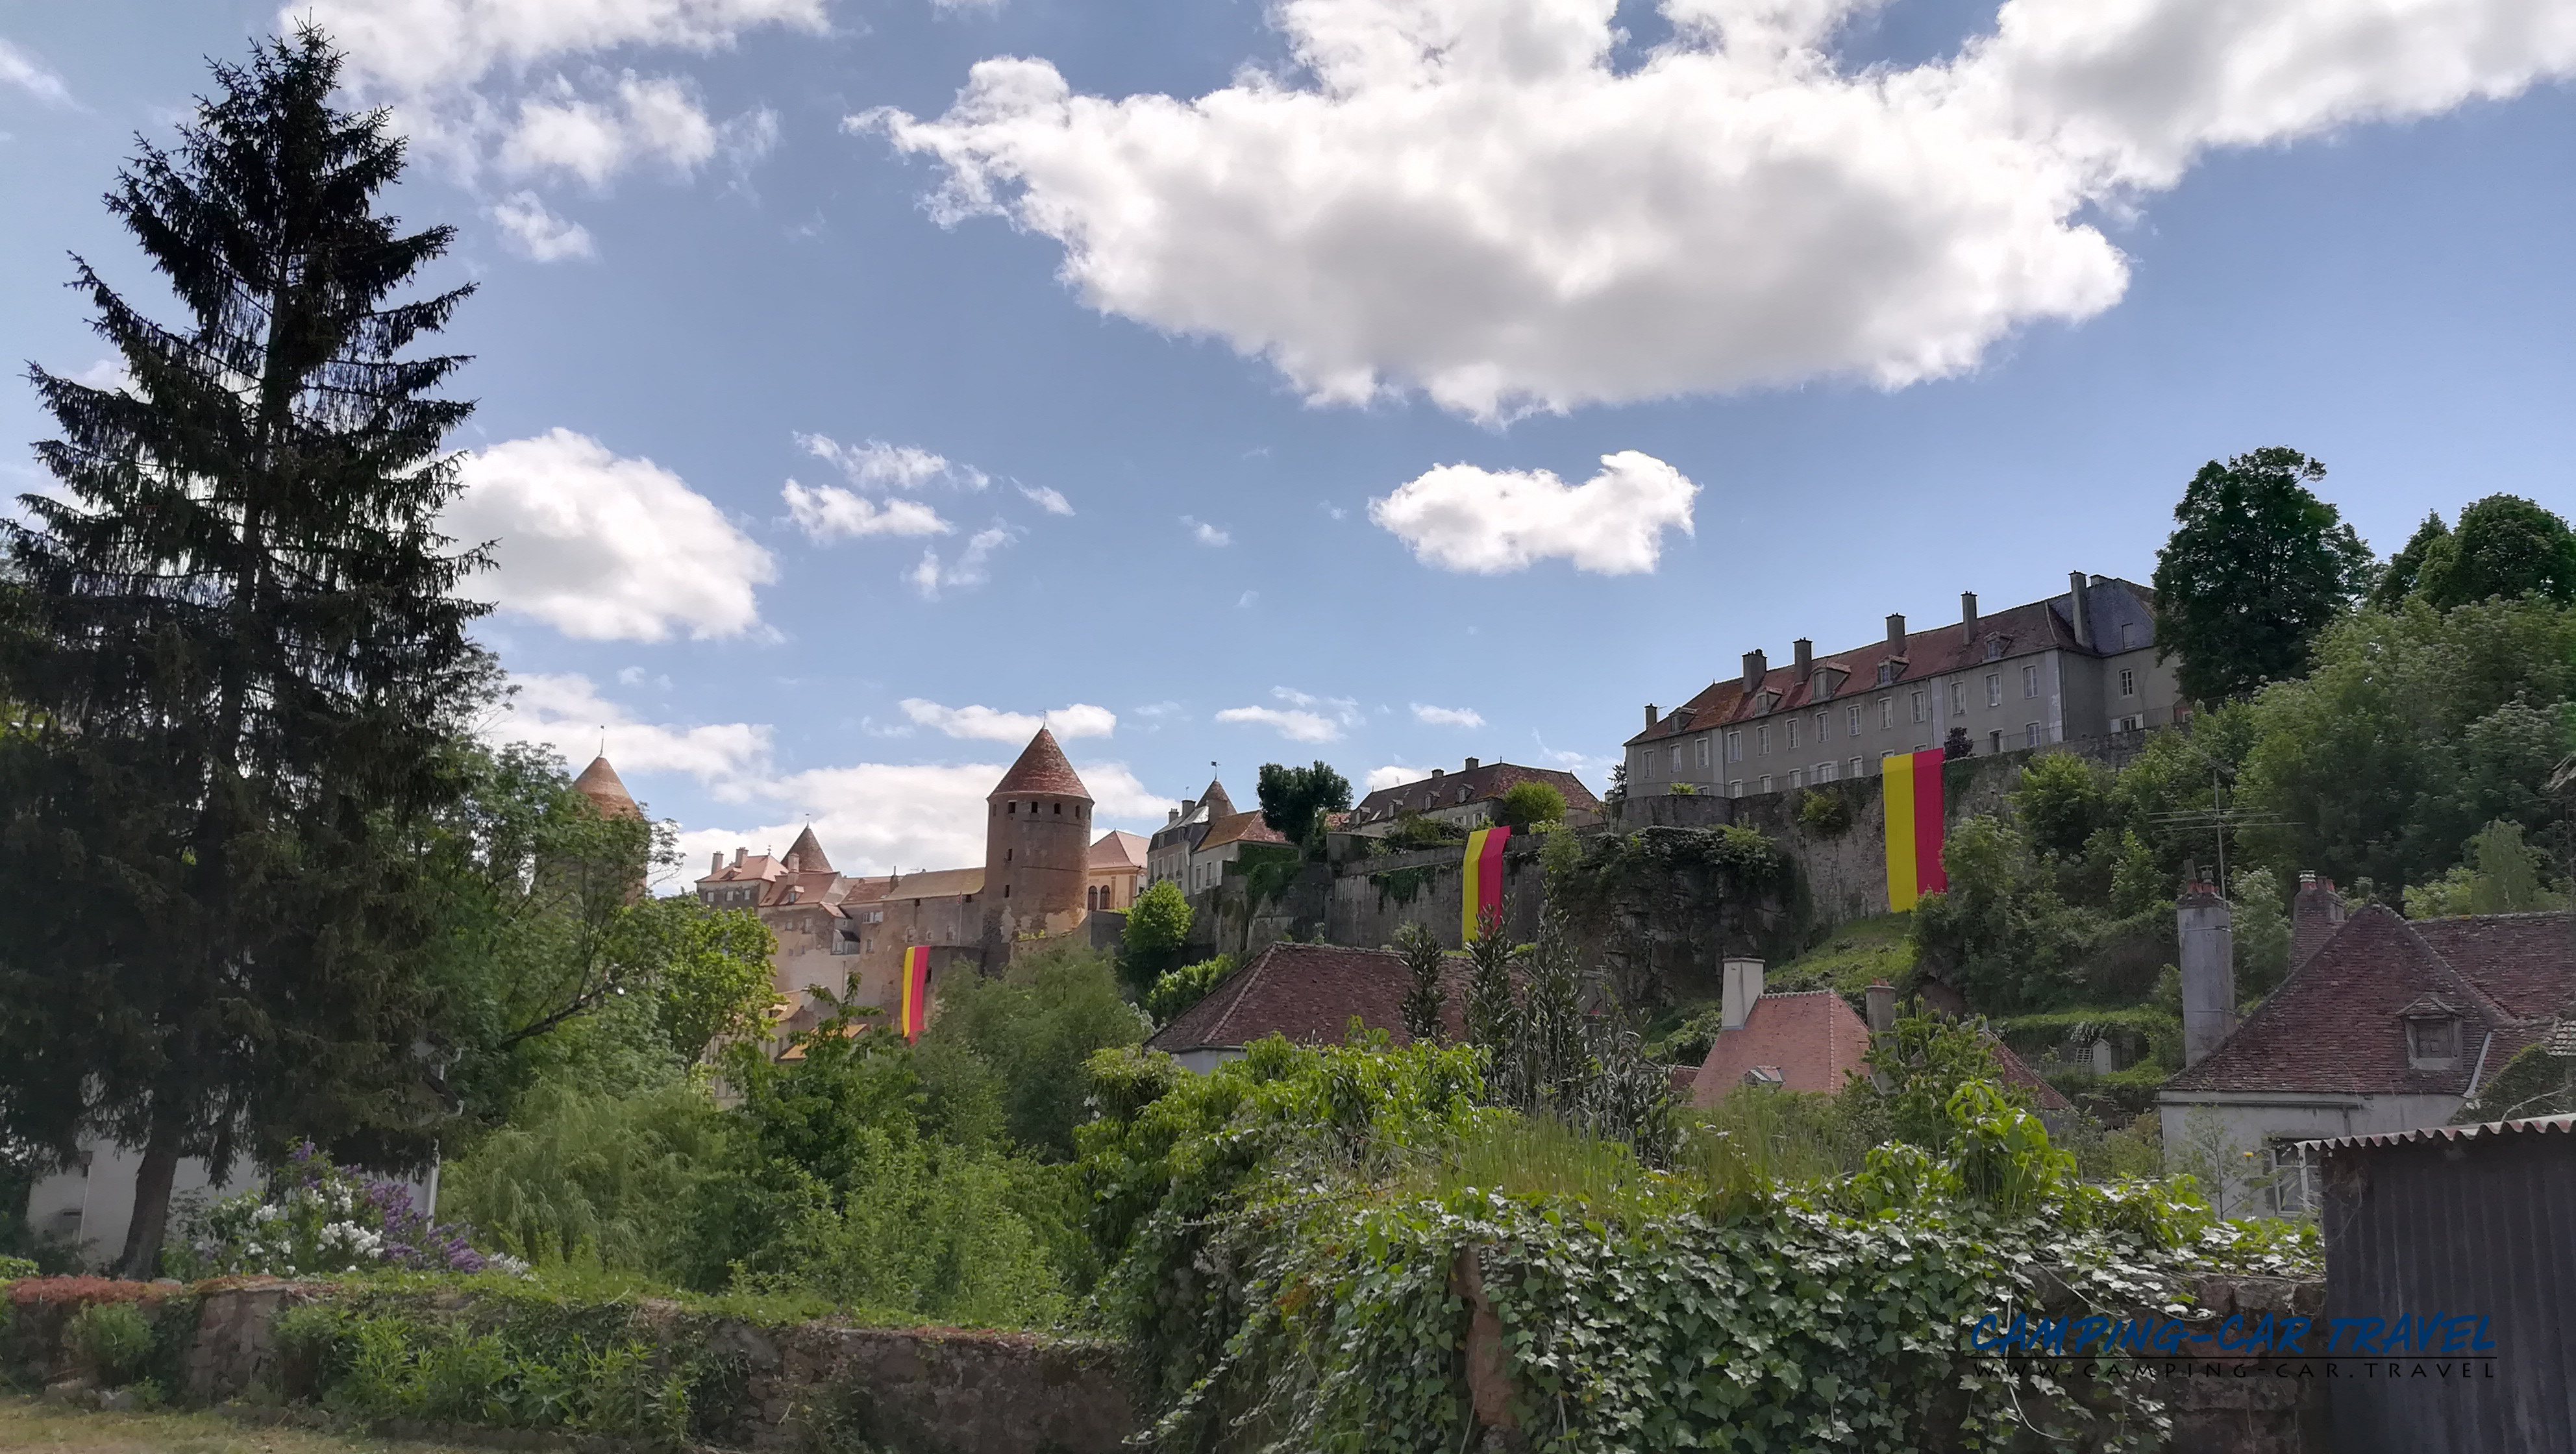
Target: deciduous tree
2257,565
1295,799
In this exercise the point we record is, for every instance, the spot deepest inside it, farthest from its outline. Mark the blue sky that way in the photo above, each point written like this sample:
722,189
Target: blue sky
1864,307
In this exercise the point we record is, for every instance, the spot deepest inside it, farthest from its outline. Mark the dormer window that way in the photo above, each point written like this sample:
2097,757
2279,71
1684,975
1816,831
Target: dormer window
1994,648
1886,672
2432,1034
1820,687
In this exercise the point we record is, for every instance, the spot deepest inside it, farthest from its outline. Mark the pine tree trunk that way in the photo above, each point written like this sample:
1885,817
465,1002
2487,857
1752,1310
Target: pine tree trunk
152,1181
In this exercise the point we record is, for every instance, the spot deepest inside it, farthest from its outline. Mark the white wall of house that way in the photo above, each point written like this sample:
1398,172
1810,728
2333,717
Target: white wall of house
2258,1120
90,1206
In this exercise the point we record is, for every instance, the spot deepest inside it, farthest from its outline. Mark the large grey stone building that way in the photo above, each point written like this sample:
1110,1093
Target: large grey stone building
2077,669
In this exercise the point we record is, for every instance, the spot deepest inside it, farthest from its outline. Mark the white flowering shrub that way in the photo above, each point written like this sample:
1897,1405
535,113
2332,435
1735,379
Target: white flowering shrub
314,1218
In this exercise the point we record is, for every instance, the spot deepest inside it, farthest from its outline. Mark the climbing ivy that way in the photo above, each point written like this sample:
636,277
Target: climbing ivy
1402,885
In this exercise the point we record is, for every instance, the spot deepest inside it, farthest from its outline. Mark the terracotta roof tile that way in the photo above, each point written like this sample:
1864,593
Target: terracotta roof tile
1116,849
936,883
1483,782
1239,828
1810,1036
2336,1025
599,783
1307,992
1041,769
807,850
2017,1072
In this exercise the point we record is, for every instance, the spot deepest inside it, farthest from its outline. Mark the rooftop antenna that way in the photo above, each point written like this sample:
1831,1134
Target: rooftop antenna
2217,817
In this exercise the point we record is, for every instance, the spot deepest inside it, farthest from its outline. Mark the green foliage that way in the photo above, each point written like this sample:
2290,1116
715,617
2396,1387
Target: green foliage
1266,870
2506,547
2262,933
1493,1010
1927,1059
588,1178
2256,567
2533,1083
1185,986
111,1341
1031,1029
1158,925
1426,995
2007,937
1552,1058
1418,830
1824,813
312,1217
2404,570
1403,885
2501,874
1664,897
1525,805
2061,801
14,1268
1294,800
1681,790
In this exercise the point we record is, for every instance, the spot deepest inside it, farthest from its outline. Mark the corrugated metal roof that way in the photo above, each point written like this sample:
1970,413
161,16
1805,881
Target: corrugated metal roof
2532,1126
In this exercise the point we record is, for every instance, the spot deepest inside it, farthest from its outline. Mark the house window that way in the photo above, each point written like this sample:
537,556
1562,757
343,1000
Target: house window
1922,710
1994,648
1994,689
1855,765
1822,689
1958,697
1797,779
2291,1191
2030,735
2128,682
1676,765
1886,672
1703,750
1735,789
1766,782
2030,681
2128,635
1793,734
1735,747
1851,715
1824,772
1886,713
1996,743
1824,725
2432,1040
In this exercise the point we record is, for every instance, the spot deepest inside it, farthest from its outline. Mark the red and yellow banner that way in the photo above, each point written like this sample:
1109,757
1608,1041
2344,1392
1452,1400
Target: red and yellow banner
1481,883
916,991
1913,784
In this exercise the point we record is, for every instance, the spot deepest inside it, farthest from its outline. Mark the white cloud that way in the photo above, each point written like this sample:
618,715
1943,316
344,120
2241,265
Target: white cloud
538,232
19,69
1394,777
108,373
1294,725
1079,720
465,77
832,513
1204,533
1447,716
567,714
604,548
1047,498
1247,600
1463,518
877,464
969,568
1469,197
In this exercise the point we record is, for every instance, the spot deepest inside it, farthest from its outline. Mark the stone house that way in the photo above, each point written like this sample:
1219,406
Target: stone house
1466,797
1201,837
1114,872
2078,669
2383,1025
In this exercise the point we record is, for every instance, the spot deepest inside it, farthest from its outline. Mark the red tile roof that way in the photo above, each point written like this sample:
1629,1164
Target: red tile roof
2014,631
1307,992
1116,849
1483,782
807,850
1811,1037
2017,1072
1239,828
2335,1025
936,883
1041,769
599,783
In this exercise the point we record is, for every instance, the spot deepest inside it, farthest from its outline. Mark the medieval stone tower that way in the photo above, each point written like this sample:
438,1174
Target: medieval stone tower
1037,841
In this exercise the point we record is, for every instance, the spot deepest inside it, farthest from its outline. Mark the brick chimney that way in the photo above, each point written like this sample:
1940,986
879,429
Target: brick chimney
1756,667
1896,630
738,855
1967,615
1880,997
2315,915
2207,928
716,867
1738,991
1806,652
1650,714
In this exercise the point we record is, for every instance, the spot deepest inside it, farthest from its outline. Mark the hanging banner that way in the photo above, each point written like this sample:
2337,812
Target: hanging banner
1913,787
916,991
1481,879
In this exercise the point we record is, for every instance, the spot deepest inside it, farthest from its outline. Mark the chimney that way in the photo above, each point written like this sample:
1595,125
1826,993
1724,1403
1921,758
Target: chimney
1881,1000
2315,915
788,863
1740,987
1435,773
1189,806
1896,631
1967,615
2207,929
1171,816
1471,764
1650,715
1756,667
1806,651
2079,617
716,867
738,856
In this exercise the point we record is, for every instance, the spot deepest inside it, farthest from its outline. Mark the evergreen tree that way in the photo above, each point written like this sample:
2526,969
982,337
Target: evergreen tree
2257,565
1427,962
1493,1011
235,636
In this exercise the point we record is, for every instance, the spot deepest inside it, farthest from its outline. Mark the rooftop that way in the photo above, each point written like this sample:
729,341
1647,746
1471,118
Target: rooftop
1116,849
1041,769
599,783
1480,782
1307,992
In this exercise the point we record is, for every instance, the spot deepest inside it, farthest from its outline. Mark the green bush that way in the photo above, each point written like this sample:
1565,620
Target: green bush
1185,986
600,1179
1416,830
111,1342
14,1268
1528,804
1824,813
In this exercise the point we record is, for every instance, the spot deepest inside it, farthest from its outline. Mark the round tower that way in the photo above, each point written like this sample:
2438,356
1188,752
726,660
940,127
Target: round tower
1037,842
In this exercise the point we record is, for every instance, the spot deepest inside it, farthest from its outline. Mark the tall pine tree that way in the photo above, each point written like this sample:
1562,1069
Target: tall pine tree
238,655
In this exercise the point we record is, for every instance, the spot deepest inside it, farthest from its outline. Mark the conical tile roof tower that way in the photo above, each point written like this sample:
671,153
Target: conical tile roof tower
1037,845
598,782
807,850
1042,769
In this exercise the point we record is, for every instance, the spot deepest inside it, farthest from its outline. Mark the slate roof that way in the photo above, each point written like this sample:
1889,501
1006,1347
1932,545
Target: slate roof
807,850
1939,651
1215,802
1239,828
599,783
1482,782
1811,1037
1116,849
2336,1024
1307,992
1041,769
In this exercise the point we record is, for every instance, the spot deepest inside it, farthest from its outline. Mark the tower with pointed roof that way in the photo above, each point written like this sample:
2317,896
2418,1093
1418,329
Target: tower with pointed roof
1037,844
599,783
